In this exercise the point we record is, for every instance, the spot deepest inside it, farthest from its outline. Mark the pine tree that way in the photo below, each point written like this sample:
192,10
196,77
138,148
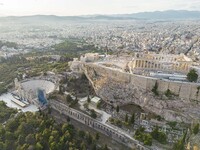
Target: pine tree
88,99
132,120
126,118
117,109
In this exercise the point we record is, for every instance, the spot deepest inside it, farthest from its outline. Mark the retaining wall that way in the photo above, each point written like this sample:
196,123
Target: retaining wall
184,90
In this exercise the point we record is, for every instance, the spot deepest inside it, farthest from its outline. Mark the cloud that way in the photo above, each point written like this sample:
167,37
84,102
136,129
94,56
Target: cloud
1,4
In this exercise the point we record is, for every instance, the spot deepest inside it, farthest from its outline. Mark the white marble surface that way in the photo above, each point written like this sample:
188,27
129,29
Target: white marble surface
8,97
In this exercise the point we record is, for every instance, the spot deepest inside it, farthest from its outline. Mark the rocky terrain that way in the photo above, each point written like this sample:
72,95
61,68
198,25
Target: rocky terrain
118,91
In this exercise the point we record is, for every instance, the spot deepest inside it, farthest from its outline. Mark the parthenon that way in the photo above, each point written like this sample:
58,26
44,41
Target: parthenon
158,62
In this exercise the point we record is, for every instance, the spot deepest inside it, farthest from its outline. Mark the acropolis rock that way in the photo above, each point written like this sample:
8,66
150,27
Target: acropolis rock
114,84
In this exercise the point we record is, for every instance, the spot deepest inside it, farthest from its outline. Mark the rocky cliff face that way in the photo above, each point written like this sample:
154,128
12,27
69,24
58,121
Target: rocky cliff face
116,88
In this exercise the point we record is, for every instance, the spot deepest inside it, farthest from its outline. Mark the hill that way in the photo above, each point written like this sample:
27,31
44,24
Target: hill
157,15
170,14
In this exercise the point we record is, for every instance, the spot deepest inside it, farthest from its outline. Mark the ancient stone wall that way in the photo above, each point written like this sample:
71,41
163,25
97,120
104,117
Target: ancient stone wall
195,92
118,87
139,81
174,87
163,86
184,90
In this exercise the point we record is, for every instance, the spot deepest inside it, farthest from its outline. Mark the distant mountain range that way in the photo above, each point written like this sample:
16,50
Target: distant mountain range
157,15
170,14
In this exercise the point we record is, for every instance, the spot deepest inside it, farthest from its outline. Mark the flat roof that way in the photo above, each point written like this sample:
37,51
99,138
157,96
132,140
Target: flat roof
18,102
95,99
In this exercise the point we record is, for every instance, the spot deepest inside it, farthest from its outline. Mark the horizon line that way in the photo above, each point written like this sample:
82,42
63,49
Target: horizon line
98,14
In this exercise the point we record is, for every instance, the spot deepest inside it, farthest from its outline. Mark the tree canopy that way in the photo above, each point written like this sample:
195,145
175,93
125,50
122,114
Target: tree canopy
5,112
196,129
39,131
192,75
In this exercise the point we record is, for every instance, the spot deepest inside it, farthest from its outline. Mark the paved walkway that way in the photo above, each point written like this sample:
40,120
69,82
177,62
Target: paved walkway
104,116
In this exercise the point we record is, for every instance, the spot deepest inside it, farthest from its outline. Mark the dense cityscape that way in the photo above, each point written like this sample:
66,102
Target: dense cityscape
166,37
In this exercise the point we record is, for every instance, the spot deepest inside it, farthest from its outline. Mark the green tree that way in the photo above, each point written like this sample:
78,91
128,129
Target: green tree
159,136
69,98
196,129
86,105
81,133
155,89
30,139
49,110
51,139
98,105
148,139
89,139
20,140
64,127
168,93
53,146
88,99
126,118
9,144
93,114
2,145
68,119
12,125
9,136
118,122
97,136
94,146
180,144
105,147
117,108
132,120
38,146
143,137
172,124
55,134
154,133
192,75
83,146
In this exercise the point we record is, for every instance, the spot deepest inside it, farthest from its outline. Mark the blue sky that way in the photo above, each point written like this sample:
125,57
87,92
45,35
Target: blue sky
85,7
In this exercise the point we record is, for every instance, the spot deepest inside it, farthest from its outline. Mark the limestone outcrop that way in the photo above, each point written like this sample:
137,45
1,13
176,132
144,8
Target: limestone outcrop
119,87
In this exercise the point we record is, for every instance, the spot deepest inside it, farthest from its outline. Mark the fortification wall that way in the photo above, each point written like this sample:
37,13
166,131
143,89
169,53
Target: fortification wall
139,81
163,86
104,71
184,90
174,87
195,93
150,84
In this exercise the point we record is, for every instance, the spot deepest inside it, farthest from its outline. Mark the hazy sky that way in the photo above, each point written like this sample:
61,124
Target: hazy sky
84,7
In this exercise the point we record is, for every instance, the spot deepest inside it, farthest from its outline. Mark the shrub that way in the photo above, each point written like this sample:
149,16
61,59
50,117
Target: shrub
155,89
159,136
196,129
93,114
192,75
143,137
